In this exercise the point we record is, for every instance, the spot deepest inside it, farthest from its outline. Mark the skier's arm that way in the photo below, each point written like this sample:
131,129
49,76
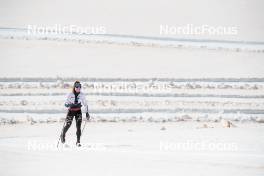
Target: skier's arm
84,102
68,101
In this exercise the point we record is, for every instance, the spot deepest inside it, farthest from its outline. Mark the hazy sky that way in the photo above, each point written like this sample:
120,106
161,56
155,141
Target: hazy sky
139,17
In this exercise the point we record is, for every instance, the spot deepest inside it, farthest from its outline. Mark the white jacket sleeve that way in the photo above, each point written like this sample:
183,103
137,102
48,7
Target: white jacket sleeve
84,102
68,100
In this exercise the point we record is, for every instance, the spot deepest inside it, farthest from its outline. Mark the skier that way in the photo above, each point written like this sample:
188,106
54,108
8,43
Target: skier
75,100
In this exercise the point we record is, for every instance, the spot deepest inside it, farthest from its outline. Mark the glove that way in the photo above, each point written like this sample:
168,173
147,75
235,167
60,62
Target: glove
67,105
87,116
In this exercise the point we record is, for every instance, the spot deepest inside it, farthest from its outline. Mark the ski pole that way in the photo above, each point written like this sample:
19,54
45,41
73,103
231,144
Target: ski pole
85,122
83,127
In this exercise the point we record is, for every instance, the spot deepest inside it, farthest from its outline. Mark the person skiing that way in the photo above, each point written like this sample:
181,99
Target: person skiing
75,100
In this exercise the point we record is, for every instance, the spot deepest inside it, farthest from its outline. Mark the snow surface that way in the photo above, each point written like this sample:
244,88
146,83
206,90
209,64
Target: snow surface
133,149
23,58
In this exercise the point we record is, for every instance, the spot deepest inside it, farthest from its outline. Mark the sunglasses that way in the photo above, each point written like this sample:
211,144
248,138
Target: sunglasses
78,85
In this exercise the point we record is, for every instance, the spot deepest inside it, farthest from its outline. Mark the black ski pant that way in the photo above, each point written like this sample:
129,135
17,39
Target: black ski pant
78,120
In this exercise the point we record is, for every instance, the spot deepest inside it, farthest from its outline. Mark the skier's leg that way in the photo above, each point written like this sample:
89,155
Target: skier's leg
69,119
78,119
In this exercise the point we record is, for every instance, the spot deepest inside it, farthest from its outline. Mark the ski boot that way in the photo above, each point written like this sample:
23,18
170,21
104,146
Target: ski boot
78,144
